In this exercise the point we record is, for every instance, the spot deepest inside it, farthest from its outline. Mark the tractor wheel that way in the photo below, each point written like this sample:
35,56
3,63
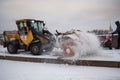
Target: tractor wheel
35,49
68,49
12,48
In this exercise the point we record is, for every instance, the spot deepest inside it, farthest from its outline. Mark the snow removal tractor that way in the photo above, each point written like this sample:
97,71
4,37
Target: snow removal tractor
32,35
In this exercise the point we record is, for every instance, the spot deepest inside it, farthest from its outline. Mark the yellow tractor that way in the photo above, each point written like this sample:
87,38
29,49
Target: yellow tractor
31,36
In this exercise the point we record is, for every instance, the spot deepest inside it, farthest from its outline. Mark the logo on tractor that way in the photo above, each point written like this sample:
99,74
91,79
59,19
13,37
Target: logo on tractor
23,37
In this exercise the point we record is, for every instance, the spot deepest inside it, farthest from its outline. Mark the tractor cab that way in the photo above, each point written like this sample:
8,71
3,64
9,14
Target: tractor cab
36,26
29,29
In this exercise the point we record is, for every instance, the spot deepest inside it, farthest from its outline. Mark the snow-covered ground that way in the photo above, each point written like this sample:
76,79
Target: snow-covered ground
14,70
105,55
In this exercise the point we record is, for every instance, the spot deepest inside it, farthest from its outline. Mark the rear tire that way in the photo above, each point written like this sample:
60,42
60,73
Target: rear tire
12,48
36,49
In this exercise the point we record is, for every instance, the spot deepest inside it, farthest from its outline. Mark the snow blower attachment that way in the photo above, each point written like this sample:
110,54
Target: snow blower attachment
66,43
76,43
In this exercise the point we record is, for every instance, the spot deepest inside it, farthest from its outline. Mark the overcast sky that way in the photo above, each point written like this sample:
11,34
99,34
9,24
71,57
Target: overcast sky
61,14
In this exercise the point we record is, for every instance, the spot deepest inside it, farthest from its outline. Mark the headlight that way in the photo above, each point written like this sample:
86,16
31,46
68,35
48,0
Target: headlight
32,21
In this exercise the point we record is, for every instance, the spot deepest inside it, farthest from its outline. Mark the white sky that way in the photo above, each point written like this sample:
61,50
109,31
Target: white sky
61,14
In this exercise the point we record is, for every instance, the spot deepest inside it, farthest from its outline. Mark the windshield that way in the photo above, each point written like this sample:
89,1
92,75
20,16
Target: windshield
37,26
22,27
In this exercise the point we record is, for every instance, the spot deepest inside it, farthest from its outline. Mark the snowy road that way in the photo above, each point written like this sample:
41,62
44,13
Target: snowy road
14,70
105,55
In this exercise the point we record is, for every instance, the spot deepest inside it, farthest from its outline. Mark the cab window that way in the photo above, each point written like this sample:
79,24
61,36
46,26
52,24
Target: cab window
22,27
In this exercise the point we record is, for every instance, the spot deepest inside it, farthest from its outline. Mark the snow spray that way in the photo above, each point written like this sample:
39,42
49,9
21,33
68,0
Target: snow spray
87,44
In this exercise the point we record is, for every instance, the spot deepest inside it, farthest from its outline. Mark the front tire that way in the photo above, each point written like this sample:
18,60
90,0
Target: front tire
12,48
36,49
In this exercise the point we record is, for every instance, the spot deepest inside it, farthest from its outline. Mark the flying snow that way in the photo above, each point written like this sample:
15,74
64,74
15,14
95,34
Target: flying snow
86,43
